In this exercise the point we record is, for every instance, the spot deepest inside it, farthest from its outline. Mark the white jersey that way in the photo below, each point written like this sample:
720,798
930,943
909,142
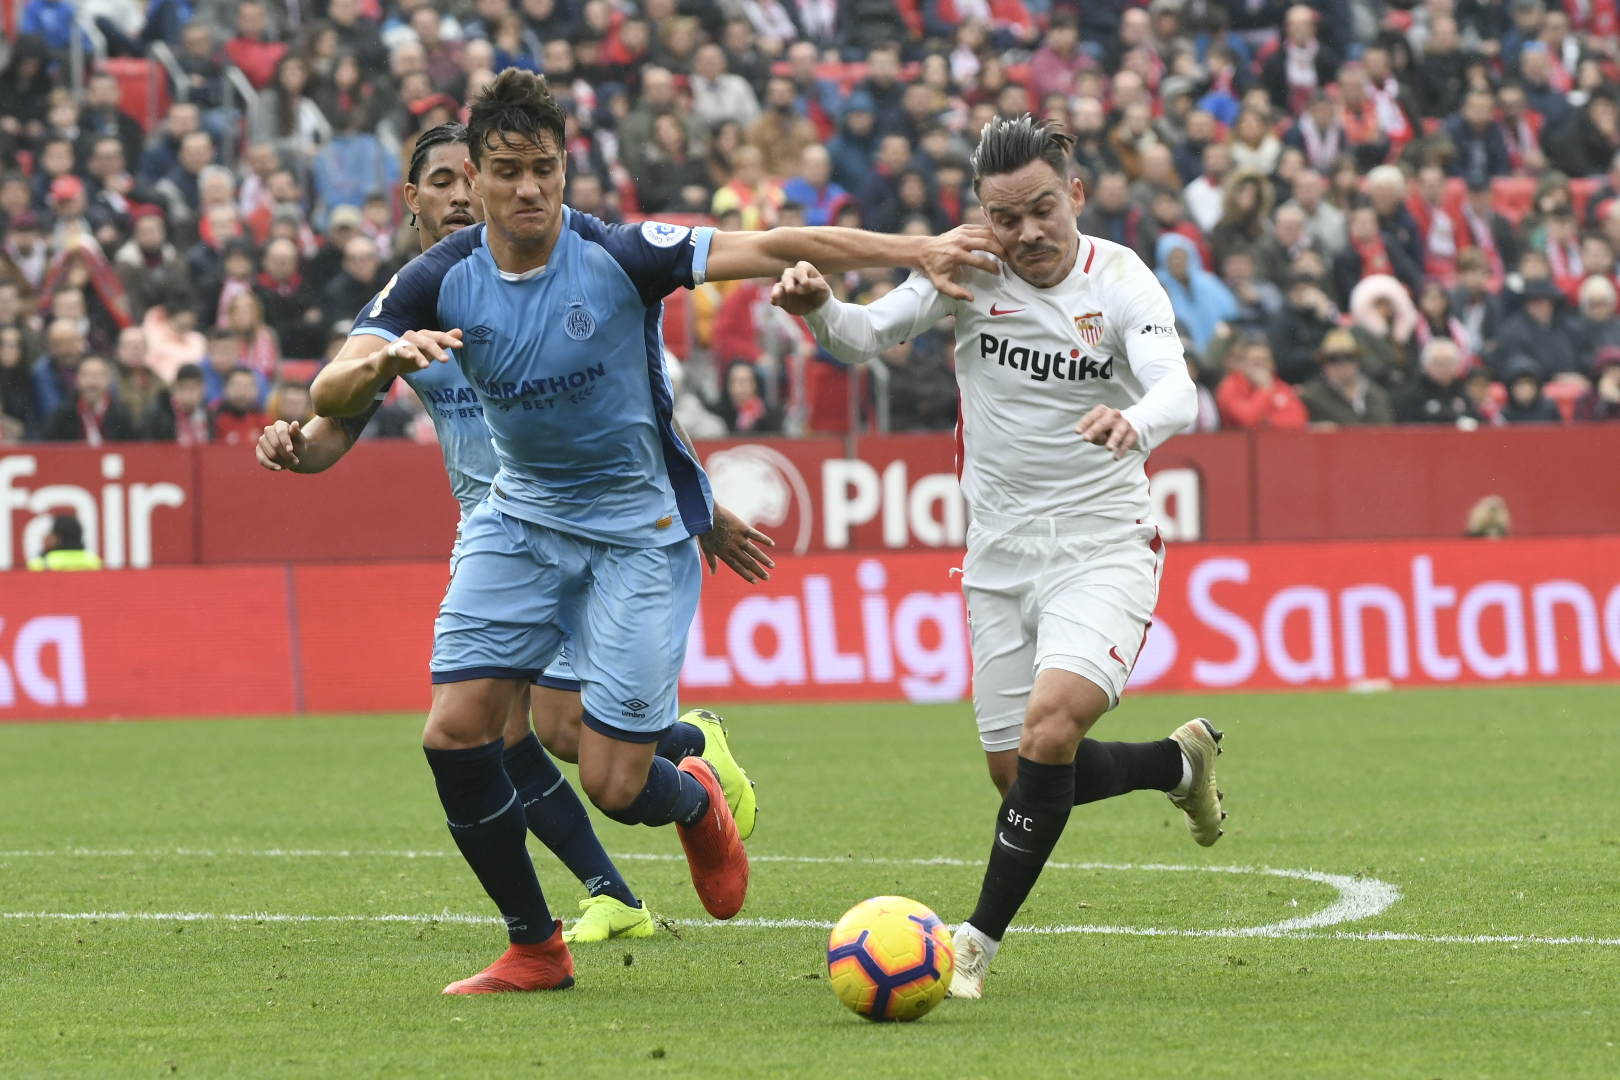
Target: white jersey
1030,363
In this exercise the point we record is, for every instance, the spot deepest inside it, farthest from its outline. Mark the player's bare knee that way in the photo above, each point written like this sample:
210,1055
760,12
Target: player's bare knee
469,714
611,791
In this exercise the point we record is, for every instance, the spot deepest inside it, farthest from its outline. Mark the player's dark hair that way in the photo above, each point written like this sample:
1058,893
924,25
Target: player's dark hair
1008,145
444,135
518,103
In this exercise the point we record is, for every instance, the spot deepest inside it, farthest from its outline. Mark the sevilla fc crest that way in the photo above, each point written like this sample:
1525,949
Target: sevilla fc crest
1090,327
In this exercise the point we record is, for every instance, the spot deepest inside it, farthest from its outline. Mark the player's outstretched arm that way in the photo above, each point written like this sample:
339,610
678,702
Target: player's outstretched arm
349,384
735,255
313,447
856,332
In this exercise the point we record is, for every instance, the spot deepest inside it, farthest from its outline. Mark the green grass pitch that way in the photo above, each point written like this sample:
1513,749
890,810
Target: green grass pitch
1493,812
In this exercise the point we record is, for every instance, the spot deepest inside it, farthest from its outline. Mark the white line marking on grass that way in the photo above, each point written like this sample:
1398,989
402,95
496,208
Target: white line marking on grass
815,924
1359,899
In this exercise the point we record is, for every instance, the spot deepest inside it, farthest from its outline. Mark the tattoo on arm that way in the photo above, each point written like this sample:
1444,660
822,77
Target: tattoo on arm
352,426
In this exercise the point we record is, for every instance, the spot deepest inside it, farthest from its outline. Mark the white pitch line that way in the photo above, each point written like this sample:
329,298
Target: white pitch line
821,924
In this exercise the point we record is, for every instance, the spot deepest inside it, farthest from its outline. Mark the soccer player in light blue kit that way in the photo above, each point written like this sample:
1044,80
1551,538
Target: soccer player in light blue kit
588,532
439,194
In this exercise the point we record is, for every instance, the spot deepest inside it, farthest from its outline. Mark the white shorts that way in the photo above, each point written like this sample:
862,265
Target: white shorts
1080,602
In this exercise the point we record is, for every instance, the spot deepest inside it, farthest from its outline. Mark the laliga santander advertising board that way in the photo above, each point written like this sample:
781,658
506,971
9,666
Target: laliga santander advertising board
219,641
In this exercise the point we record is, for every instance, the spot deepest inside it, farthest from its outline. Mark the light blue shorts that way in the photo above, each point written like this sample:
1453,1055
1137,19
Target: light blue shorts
560,674
520,591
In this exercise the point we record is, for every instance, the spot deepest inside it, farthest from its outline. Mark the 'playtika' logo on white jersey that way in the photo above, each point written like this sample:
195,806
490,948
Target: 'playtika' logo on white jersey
1072,367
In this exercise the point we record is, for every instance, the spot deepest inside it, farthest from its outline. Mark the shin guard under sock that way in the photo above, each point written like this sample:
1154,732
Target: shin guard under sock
487,823
1103,770
670,795
1028,825
681,741
558,819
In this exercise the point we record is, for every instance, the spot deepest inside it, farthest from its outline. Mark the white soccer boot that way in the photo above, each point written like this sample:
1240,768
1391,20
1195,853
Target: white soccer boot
1201,802
973,952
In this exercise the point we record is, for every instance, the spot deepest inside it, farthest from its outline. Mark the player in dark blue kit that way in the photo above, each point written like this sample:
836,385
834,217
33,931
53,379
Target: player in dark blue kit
588,531
440,196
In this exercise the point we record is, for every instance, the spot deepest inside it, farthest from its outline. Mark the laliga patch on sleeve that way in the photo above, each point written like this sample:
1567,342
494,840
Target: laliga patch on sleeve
376,309
662,234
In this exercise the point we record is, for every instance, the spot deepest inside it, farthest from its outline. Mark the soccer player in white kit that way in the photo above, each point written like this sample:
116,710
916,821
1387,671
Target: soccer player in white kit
1070,370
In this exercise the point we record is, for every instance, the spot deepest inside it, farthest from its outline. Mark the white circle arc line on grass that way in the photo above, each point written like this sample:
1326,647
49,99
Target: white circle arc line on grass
1359,899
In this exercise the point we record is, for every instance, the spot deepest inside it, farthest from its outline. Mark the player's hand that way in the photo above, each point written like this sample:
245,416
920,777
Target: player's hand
1109,429
281,445
801,290
965,245
416,349
733,542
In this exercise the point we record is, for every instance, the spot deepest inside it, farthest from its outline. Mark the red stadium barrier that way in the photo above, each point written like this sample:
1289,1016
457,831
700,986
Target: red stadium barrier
219,641
146,505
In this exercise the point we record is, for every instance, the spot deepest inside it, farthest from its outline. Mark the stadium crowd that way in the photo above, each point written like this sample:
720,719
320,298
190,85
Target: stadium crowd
1364,212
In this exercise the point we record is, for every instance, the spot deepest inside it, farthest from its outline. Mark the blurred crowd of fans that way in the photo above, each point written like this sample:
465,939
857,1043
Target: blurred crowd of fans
1364,211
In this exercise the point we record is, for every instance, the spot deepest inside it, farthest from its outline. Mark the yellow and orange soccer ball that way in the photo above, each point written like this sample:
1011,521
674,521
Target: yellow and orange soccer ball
890,959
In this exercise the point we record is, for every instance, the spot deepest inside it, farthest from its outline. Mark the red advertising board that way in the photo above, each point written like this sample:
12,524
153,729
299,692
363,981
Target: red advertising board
1414,613
1362,483
219,641
137,503
146,505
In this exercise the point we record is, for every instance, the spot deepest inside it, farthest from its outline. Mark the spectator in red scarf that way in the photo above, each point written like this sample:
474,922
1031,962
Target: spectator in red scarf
1520,127
238,418
180,415
1251,397
292,308
742,407
92,416
1301,65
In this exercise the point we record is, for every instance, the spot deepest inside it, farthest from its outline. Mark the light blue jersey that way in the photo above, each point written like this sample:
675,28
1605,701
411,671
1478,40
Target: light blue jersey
567,363
458,419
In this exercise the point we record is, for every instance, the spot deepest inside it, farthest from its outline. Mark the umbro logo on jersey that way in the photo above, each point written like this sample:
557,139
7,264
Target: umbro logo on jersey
481,335
1009,311
634,707
1069,366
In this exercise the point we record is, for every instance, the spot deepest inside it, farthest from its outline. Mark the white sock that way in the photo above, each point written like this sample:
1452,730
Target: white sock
987,943
1186,777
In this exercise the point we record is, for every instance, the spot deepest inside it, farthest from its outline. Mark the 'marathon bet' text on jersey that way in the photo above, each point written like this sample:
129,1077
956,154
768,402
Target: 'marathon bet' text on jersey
567,361
1030,363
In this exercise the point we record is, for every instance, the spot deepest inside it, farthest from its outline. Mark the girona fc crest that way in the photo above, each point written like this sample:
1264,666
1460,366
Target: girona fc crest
1090,327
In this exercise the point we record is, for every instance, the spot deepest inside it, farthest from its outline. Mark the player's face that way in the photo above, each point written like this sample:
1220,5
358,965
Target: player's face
1032,212
521,183
442,198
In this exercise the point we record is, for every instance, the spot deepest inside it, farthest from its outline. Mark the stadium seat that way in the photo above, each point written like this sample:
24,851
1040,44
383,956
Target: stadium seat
144,88
1564,395
1581,191
300,371
1511,196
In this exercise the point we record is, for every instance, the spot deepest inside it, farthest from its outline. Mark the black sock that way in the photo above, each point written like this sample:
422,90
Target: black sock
558,818
682,740
670,795
487,822
1028,825
1105,769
